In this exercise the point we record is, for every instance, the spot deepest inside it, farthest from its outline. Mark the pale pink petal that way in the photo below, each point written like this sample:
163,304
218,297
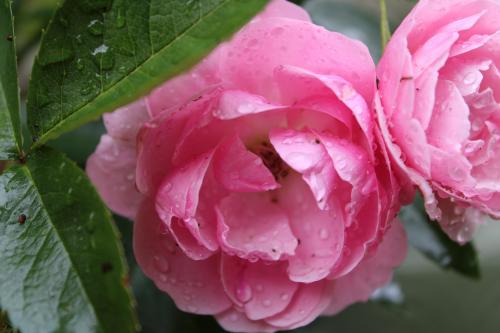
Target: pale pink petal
471,44
465,74
320,233
459,221
195,286
433,17
112,170
409,175
373,272
252,226
408,132
453,170
240,170
425,87
436,48
450,126
124,123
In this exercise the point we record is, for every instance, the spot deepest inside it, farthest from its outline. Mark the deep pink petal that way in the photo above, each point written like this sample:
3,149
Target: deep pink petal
303,152
309,302
320,233
155,150
236,103
323,84
112,170
252,226
295,43
237,322
261,289
195,286
178,194
372,273
240,170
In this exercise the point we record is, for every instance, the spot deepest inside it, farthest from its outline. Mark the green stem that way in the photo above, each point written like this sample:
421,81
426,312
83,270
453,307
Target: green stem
385,31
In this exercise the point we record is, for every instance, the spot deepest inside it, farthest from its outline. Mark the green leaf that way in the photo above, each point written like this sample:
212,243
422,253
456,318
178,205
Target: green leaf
62,266
428,238
10,124
385,30
99,55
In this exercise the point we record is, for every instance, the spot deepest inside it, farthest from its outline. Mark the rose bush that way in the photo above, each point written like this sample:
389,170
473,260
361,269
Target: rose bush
439,111
258,192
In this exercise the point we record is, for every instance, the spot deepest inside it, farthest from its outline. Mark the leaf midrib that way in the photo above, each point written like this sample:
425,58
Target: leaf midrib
53,226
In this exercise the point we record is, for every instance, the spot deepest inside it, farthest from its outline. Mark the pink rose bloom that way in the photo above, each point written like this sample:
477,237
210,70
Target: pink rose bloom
440,93
253,181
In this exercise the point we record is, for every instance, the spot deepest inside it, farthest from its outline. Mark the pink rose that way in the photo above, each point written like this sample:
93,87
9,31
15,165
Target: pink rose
439,87
254,185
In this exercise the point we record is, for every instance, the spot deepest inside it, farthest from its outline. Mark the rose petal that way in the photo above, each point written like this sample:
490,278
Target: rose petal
124,123
320,233
449,126
252,226
195,286
237,169
309,302
372,273
112,170
235,321
295,43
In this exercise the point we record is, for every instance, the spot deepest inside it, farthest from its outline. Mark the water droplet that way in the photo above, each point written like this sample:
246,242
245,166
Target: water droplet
63,21
347,92
284,297
243,292
253,42
267,303
96,27
103,58
277,31
470,78
456,173
163,278
120,18
323,234
161,264
259,288
86,90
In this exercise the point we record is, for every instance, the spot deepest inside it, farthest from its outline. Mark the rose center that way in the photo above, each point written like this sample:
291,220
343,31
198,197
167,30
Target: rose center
272,160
